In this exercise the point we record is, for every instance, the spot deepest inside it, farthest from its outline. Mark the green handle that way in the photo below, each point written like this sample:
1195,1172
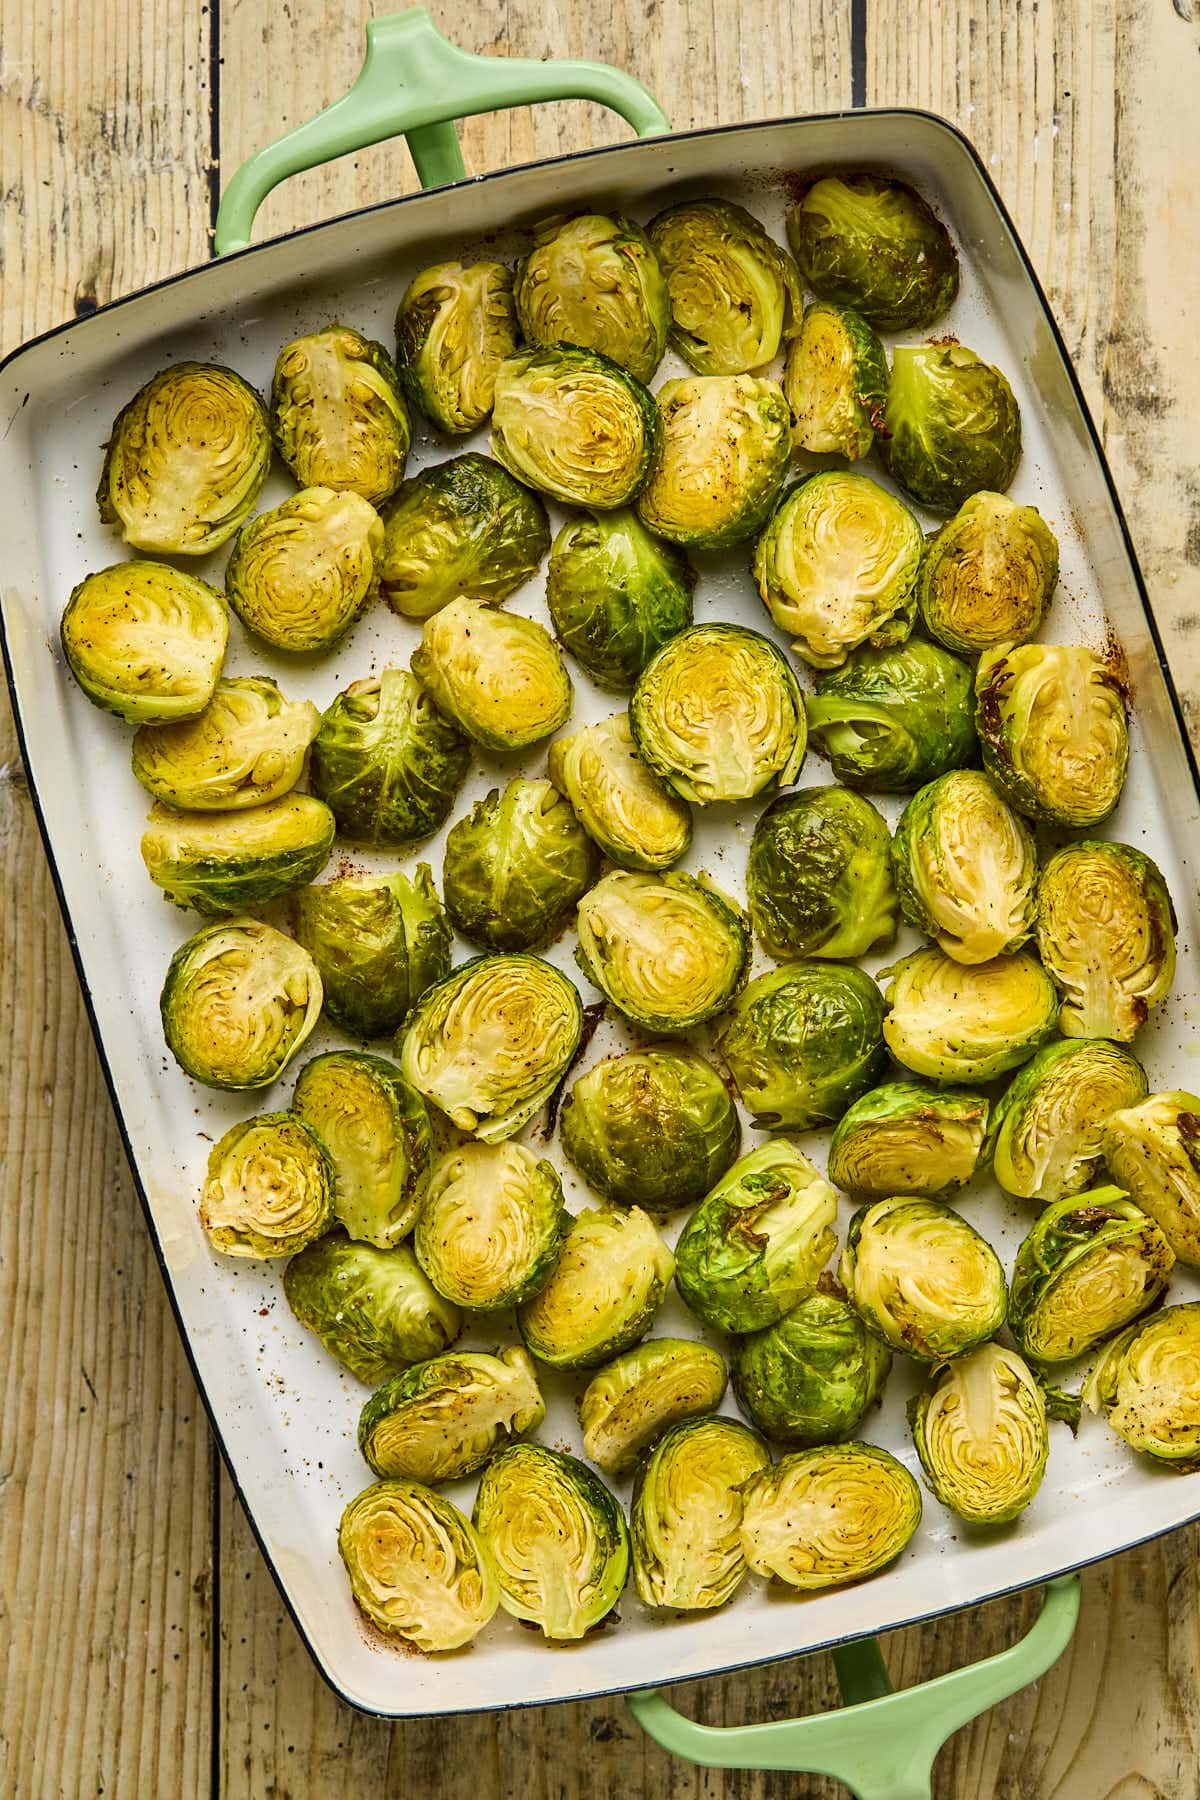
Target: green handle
882,1745
414,81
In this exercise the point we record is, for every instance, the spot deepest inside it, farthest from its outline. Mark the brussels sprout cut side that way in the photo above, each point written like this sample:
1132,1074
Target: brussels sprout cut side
516,866
873,243
337,414
836,382
417,1567
958,1024
982,1437
610,1280
595,281
269,1188
497,675
1049,1125
248,746
238,1003
1152,1149
454,327
490,1225
145,641
952,425
386,762
922,1278
893,719
726,441
1051,721
668,951
462,528
379,941
221,863
988,575
687,1511
823,1517
376,1132
734,294
444,1419
629,1404
1147,1385
810,1377
372,1309
966,868
623,808
300,575
910,1138
819,876
1092,1264
803,1042
1106,933
575,425
616,595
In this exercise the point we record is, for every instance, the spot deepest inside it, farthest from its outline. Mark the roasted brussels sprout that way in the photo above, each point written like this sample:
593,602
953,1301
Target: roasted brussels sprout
734,294
668,951
575,425
454,327
632,1401
594,281
653,1128
836,381
300,574
460,528
516,866
616,594
445,1418
810,1377
873,243
490,1225
372,1309
556,1536
966,867
981,1434
417,1568
1147,1385
726,441
490,1042
892,719
376,1132
718,715
909,1138
922,1278
497,675
1152,1149
219,863
1092,1264
803,1042
987,575
829,1515
1048,1125
269,1186
952,427
238,1003
1106,933
248,746
186,460
686,1514
610,1280
337,413
836,566
958,1024
386,762
379,942
754,1248
1051,721
819,876
623,808
146,641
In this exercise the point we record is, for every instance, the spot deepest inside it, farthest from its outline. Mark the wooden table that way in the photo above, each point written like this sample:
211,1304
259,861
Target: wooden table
143,1648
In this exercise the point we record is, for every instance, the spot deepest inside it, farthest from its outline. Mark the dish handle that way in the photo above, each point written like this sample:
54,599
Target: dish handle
413,80
881,1744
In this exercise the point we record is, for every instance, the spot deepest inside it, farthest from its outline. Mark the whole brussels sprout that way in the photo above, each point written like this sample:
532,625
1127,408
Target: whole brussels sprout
497,675
922,1278
575,425
616,594
239,1001
1048,1126
379,942
686,1514
609,1282
1106,933
375,1130
836,566
1147,1385
1152,1149
872,242
836,381
909,1138
268,1190
386,762
960,1024
725,445
300,574
734,294
980,1431
966,867
146,641
819,876
1051,721
490,1042
516,866
186,460
952,425
987,576
811,1376
1091,1264
803,1042
718,715
635,820
372,1309
443,1419
594,281
755,1247
653,1128
248,746
668,951
460,528
337,414
490,1226
628,1404
829,1515
220,863
417,1567
892,719
454,327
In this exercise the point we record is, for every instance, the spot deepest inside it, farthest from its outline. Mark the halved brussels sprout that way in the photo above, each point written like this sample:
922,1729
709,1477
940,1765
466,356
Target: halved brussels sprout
300,574
872,242
836,382
594,281
219,863
379,942
372,1309
575,425
892,719
908,1138
616,594
146,641
497,675
819,876
958,1024
375,1130
687,1511
610,1280
337,413
1092,1264
490,1042
811,1376
755,1247
454,327
952,425
248,746
556,1536
1153,1150
829,1515
269,1187
1106,933
1051,721
1048,1126
803,1042
987,575
1147,1385
836,566
238,1003
516,866
668,951
726,441
186,460
490,1225
966,867
981,1434
386,762
636,821
922,1278
718,715
631,1402
653,1128
734,294
462,527
444,1419
417,1567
